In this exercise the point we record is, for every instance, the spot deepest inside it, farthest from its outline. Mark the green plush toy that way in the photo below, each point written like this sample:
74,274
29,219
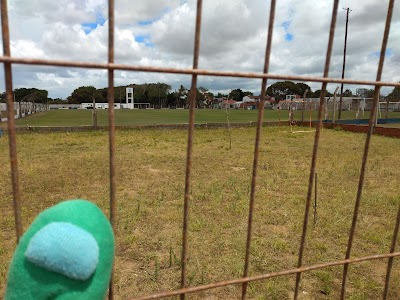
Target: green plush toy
67,253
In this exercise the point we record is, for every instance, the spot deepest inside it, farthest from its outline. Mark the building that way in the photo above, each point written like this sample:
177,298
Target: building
251,102
64,106
251,99
228,104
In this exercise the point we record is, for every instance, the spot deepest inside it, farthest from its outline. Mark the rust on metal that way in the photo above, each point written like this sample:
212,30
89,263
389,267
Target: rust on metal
111,130
124,67
187,197
367,145
111,66
257,146
315,149
265,276
11,121
390,261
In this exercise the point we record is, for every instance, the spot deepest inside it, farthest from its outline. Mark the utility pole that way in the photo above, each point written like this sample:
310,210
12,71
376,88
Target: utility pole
344,61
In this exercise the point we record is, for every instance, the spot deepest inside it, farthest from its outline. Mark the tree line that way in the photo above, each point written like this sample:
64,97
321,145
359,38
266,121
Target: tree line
160,94
157,94
28,95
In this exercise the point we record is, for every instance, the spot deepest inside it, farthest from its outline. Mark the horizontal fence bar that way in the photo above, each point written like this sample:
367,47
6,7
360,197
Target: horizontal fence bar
124,67
265,276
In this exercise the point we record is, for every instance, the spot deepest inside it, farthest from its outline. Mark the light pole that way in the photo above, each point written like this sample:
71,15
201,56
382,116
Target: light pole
344,62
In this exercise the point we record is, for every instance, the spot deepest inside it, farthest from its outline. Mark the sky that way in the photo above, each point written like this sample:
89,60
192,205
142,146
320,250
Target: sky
233,38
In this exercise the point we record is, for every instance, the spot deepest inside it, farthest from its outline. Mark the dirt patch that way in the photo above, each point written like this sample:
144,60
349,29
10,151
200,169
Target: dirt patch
238,168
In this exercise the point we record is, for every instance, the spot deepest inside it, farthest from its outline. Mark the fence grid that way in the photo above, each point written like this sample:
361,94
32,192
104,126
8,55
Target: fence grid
110,66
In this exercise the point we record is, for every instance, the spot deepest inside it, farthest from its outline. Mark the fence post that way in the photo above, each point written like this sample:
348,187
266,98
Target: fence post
94,114
334,106
304,106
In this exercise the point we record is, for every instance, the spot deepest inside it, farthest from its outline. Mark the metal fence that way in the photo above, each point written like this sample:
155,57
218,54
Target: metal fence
8,61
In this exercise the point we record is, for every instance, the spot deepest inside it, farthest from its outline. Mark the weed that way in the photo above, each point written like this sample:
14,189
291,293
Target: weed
326,280
150,172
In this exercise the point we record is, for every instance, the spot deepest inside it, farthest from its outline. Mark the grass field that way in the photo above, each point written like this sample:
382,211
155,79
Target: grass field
151,117
150,180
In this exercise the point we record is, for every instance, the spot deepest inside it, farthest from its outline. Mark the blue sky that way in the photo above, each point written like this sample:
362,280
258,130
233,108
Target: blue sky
388,53
89,27
144,39
288,36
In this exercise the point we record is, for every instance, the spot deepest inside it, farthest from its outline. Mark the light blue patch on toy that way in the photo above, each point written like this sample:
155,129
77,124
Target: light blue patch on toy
64,248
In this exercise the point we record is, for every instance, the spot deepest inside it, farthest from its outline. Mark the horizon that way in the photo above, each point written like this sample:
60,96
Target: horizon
161,33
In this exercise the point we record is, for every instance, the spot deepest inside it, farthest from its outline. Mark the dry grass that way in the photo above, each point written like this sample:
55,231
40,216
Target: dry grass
150,181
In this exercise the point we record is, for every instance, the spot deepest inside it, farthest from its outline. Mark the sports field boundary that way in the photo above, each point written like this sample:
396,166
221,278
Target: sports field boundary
384,131
139,127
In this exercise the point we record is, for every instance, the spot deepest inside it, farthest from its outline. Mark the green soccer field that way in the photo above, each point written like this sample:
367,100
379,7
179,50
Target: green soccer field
173,116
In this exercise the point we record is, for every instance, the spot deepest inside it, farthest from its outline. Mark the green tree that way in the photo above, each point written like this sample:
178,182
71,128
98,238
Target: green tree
317,94
171,99
56,101
182,97
279,90
365,93
220,95
30,95
394,95
157,93
303,87
347,93
83,94
200,99
236,94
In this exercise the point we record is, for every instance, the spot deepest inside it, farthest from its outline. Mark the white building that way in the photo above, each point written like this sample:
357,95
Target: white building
251,99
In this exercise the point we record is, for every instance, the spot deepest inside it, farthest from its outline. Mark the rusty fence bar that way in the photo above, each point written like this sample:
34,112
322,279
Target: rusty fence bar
187,197
316,145
124,67
392,249
257,145
11,121
265,276
367,146
111,130
110,66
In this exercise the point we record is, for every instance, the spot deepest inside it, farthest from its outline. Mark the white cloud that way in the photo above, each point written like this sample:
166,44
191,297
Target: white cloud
233,37
131,12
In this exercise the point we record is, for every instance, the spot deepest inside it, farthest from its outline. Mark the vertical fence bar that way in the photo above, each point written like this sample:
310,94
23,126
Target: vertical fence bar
392,249
367,144
193,95
257,145
10,120
316,144
111,128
